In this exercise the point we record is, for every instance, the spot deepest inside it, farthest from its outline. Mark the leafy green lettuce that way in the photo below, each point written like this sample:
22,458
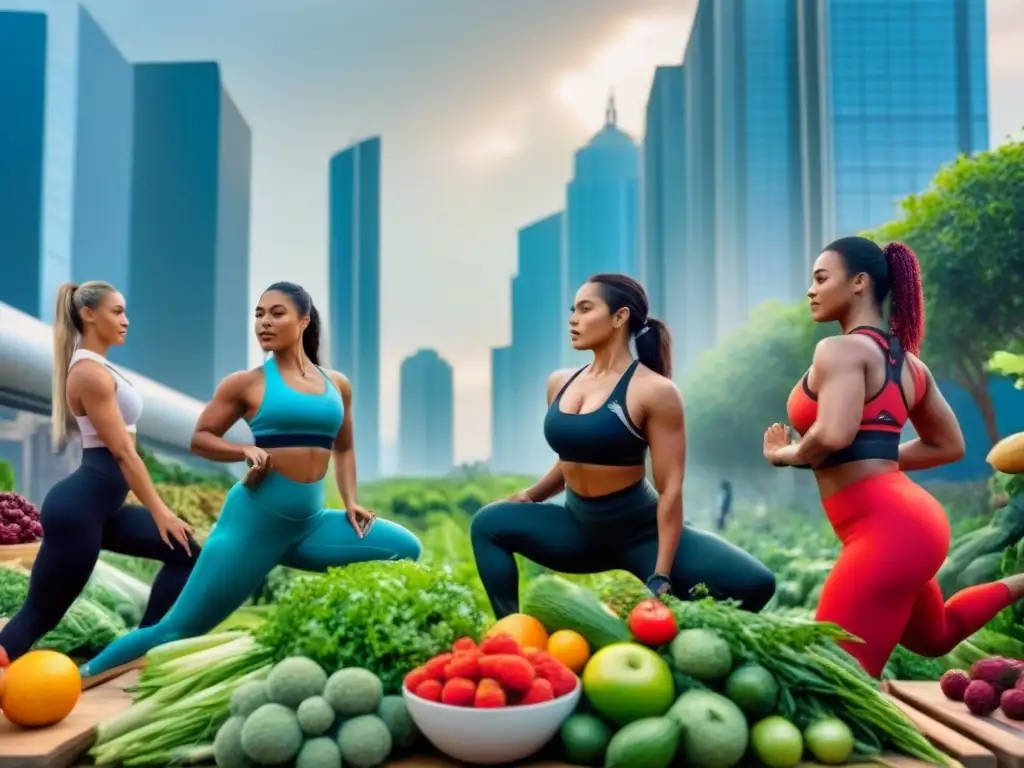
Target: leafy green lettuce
388,617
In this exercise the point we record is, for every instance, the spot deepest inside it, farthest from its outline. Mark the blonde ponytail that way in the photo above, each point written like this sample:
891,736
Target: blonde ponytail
67,329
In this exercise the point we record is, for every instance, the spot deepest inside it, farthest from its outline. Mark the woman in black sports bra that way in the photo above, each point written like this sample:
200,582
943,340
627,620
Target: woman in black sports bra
601,421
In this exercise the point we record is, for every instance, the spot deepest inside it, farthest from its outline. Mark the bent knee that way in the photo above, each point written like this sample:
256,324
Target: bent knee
491,521
758,590
408,547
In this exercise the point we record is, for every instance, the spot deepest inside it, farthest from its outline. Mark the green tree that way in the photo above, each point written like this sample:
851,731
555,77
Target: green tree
968,231
741,385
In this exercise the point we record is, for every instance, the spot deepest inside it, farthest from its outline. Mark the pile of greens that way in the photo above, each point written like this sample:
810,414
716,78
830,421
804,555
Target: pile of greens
387,617
87,627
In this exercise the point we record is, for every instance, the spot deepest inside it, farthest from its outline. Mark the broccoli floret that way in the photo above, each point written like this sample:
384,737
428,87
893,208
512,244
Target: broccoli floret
315,716
353,691
227,745
395,714
319,753
365,742
249,697
271,735
295,679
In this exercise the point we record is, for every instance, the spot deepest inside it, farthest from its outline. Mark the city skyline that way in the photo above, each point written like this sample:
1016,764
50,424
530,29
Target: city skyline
449,218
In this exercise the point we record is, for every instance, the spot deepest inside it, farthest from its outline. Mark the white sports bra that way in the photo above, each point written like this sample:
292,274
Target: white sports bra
129,402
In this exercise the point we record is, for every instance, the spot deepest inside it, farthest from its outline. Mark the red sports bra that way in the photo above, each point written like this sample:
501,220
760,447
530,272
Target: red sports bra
883,415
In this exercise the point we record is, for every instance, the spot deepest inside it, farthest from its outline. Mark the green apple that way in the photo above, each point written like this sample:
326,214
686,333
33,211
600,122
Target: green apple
626,682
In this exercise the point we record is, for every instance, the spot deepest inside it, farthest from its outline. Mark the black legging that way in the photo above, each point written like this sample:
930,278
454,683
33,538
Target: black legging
81,515
614,532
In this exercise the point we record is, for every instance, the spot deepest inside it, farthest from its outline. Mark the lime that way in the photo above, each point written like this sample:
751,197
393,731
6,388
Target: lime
754,689
777,742
585,738
830,740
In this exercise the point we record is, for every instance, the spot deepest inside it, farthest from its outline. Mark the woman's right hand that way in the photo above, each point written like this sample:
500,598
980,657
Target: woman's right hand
172,526
259,462
523,497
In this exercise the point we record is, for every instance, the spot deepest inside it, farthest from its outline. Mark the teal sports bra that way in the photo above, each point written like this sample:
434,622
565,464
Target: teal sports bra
288,418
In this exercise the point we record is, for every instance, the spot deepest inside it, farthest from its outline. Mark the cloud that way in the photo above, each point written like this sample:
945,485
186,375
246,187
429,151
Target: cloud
625,64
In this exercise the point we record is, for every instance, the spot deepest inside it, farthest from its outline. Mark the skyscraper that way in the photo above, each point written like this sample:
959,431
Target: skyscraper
354,290
503,412
825,114
602,207
101,246
426,415
678,279
23,44
908,92
520,371
188,273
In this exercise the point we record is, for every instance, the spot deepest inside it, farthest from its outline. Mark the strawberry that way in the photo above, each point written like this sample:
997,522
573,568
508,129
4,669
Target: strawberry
458,692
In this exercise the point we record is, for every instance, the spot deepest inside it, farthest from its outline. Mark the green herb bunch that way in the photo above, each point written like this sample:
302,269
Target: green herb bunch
387,617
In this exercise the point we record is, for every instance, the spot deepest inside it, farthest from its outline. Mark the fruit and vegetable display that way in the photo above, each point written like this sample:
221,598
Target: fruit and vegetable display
990,684
19,520
728,680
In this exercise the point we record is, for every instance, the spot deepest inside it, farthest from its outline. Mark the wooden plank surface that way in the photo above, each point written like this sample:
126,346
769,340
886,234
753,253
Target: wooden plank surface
1004,737
966,751
60,745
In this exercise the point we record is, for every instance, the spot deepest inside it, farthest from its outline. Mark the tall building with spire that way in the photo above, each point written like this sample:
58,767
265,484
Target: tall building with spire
603,207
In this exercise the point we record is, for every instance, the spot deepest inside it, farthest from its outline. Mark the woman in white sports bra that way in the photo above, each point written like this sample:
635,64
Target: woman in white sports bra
85,512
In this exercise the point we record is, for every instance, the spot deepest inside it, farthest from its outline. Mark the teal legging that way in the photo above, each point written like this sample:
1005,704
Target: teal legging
281,522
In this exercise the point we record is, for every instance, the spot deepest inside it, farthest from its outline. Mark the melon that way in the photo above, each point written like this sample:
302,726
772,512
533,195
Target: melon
1007,456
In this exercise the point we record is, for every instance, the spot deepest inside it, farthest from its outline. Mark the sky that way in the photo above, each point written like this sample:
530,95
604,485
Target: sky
480,105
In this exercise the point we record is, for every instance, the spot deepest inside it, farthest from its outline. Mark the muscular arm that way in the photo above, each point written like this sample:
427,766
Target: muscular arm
220,414
343,452
939,438
97,392
553,481
839,374
666,434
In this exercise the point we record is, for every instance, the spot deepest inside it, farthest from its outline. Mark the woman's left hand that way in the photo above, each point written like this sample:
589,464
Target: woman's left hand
360,518
659,584
776,439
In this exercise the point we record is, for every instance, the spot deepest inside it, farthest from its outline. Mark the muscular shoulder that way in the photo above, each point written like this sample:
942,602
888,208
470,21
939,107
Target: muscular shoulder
235,386
90,377
341,381
838,353
659,392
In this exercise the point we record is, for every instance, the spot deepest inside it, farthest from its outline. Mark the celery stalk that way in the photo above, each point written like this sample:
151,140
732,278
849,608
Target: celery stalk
161,654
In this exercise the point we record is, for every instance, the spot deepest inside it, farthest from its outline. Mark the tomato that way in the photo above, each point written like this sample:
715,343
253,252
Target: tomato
652,623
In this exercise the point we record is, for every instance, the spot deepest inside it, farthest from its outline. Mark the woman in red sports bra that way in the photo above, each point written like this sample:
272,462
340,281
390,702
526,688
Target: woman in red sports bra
849,410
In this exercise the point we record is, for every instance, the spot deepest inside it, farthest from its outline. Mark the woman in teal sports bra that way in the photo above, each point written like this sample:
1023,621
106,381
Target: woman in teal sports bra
300,417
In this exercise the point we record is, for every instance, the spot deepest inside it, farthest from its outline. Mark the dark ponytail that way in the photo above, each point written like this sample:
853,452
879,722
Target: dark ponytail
906,299
654,347
652,338
304,306
895,273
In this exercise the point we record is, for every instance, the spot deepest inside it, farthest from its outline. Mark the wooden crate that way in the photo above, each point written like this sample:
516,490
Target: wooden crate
25,554
997,733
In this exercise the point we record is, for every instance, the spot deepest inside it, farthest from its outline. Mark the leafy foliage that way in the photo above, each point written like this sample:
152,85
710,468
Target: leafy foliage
740,386
967,229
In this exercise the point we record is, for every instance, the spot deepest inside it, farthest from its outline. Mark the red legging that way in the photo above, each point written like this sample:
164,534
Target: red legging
895,537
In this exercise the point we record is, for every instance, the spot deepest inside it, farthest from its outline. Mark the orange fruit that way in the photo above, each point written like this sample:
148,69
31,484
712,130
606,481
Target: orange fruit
526,630
40,688
570,648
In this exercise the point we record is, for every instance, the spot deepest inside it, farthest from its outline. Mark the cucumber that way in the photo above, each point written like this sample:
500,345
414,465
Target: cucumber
648,743
559,604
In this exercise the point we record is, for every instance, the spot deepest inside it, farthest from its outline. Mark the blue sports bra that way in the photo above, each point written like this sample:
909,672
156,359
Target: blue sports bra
288,418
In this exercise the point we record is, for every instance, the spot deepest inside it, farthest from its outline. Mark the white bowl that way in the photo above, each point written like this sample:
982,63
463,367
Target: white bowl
490,736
